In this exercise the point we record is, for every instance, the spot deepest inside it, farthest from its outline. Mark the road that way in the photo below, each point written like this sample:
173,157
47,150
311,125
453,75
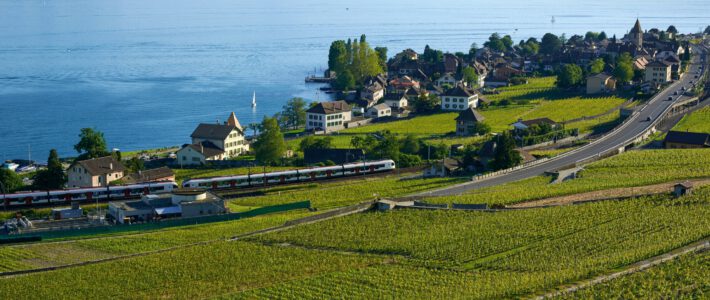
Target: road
637,125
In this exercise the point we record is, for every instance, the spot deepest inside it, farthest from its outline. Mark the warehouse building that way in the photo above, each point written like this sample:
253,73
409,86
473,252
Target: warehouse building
184,203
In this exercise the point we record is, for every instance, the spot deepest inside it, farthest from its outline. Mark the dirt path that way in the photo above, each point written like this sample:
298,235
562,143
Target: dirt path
608,194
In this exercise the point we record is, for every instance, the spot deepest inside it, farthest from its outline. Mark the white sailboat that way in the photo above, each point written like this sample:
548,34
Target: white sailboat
253,100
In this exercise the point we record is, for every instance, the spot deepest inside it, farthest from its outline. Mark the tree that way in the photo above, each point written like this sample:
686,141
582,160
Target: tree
345,80
529,47
312,143
570,75
591,36
707,30
135,164
382,56
472,50
91,143
410,144
270,146
596,66
481,128
11,182
602,36
53,177
470,76
624,70
426,104
432,55
337,56
254,127
505,155
550,44
496,43
295,112
387,146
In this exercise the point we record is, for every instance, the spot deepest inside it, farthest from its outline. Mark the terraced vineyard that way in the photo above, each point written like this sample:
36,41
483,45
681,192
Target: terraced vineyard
628,169
14,258
335,194
687,277
406,253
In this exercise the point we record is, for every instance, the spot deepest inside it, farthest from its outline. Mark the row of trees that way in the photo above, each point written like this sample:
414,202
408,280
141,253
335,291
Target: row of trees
572,75
354,60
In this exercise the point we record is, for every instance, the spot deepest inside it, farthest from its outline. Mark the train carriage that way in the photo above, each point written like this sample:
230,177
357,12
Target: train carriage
284,177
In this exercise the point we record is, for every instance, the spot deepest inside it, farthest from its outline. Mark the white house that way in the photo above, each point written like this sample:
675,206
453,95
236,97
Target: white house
396,100
459,98
450,79
214,142
95,172
328,116
373,93
379,111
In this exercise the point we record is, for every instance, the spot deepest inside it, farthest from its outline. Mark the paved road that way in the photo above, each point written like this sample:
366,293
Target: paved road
633,128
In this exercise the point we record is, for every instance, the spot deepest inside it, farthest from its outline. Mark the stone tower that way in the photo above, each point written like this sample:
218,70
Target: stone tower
636,35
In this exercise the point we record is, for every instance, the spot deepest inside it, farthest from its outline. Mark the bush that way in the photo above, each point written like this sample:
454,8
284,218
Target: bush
409,160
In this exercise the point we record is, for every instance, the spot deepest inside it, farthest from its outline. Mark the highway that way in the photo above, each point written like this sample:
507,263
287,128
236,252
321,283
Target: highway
637,124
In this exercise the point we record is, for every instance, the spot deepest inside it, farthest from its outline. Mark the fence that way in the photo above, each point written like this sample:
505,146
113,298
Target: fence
65,233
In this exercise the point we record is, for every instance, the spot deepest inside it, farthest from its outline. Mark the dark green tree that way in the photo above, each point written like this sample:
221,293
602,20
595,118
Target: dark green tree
10,181
91,144
135,164
550,44
410,144
53,177
311,143
427,103
570,75
496,43
602,36
345,80
295,111
505,155
481,128
270,146
382,56
337,56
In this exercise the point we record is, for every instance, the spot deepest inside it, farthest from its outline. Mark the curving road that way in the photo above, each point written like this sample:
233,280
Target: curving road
637,124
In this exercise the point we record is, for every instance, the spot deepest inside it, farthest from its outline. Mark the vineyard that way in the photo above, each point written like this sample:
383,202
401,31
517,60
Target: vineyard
343,193
628,169
687,277
14,258
407,253
507,254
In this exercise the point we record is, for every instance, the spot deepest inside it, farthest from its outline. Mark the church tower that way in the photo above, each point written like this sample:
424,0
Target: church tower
636,35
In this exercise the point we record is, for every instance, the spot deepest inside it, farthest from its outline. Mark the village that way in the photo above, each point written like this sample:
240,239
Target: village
476,105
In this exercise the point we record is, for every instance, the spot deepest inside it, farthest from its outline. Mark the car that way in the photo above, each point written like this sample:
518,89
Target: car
648,118
675,93
670,98
696,76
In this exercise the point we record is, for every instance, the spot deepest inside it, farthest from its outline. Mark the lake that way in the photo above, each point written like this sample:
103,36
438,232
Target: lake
147,72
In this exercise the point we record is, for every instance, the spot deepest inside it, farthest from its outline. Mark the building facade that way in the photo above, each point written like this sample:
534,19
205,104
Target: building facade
95,172
328,116
459,98
658,73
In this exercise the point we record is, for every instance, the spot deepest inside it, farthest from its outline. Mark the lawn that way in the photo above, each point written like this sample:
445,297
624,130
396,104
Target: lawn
698,121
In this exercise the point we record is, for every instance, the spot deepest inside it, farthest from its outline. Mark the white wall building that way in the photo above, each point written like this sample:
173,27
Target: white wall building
459,98
328,116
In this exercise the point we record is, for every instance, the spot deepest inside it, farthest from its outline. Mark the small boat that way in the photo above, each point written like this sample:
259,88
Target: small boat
253,100
27,168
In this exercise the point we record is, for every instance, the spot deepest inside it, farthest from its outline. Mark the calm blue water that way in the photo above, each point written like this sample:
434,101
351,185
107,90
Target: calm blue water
146,72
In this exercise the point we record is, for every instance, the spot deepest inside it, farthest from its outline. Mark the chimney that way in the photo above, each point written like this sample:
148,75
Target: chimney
110,166
202,148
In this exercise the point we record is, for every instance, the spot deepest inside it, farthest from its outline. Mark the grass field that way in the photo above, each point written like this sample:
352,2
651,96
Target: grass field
698,121
628,169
